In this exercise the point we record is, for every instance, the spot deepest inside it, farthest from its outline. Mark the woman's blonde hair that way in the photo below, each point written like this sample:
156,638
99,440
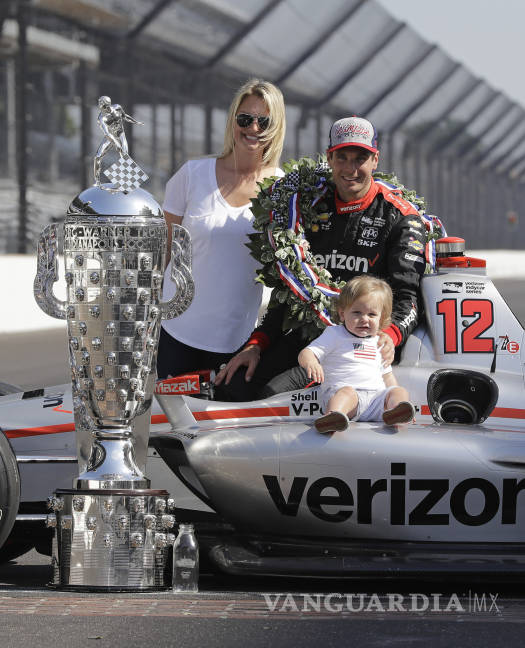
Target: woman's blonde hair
273,136
362,286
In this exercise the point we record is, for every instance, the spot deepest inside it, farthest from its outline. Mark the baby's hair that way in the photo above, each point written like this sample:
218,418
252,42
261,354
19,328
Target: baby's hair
366,285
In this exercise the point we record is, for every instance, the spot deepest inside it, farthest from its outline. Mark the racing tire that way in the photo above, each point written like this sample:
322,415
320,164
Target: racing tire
9,490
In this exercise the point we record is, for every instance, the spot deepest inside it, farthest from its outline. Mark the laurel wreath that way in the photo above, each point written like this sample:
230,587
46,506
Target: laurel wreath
312,181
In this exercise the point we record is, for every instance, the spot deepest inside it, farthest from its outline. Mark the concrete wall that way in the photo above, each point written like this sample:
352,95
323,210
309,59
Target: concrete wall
19,311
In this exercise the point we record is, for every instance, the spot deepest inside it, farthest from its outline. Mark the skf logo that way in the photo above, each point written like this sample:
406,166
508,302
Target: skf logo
188,384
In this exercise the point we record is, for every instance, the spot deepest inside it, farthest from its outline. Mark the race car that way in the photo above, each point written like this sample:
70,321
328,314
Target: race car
270,495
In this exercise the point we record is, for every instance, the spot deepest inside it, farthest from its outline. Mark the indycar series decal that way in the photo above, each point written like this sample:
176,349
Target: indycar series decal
500,497
474,287
452,287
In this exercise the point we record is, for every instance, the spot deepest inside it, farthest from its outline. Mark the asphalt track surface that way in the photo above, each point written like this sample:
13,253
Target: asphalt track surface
235,612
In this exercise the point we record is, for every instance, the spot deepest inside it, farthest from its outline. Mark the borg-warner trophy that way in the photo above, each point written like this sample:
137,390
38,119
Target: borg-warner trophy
112,530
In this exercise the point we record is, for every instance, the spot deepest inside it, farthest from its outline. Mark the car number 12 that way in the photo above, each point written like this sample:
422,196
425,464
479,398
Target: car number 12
471,340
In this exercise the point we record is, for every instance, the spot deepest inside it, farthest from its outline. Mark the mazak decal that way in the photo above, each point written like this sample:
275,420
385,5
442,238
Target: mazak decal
414,223
180,385
332,499
508,345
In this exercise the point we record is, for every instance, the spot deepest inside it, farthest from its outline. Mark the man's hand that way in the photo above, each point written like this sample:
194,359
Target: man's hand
248,357
387,348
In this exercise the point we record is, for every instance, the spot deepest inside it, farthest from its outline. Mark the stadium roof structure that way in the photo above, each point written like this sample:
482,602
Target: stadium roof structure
458,140
338,56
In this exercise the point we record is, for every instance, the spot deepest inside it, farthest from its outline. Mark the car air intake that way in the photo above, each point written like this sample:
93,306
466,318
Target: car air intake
461,396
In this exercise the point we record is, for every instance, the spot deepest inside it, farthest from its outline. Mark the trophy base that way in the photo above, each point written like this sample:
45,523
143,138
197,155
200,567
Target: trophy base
112,463
111,540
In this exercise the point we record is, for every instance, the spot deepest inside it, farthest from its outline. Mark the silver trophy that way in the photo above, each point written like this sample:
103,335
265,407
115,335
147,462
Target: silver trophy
112,530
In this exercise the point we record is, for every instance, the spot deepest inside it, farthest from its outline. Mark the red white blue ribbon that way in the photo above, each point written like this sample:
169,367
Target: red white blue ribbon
431,222
288,277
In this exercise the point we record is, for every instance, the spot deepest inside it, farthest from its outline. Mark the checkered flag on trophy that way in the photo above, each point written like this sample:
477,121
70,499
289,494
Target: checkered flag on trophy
126,174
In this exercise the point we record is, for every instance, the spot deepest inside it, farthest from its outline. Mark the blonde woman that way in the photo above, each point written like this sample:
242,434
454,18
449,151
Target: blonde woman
211,198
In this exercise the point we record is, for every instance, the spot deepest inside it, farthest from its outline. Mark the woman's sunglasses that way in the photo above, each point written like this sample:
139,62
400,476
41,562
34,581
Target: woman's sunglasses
245,119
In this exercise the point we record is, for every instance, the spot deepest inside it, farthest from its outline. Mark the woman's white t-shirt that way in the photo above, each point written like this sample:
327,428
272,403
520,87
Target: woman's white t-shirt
224,309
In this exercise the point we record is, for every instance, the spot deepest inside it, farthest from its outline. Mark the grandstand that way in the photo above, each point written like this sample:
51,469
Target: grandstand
174,64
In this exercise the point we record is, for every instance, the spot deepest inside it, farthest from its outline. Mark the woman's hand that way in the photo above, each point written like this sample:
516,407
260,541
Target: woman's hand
387,348
249,357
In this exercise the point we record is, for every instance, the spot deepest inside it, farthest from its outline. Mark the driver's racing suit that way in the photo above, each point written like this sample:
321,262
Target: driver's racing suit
381,234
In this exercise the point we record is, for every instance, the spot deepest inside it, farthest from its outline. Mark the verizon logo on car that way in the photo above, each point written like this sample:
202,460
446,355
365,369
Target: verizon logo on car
188,384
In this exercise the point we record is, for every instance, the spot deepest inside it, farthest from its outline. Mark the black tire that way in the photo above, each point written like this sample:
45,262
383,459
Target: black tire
9,488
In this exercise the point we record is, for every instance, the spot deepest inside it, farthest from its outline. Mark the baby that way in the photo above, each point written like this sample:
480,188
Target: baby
347,361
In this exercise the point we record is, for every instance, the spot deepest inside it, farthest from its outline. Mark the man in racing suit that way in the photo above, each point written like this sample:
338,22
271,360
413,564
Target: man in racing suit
371,229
